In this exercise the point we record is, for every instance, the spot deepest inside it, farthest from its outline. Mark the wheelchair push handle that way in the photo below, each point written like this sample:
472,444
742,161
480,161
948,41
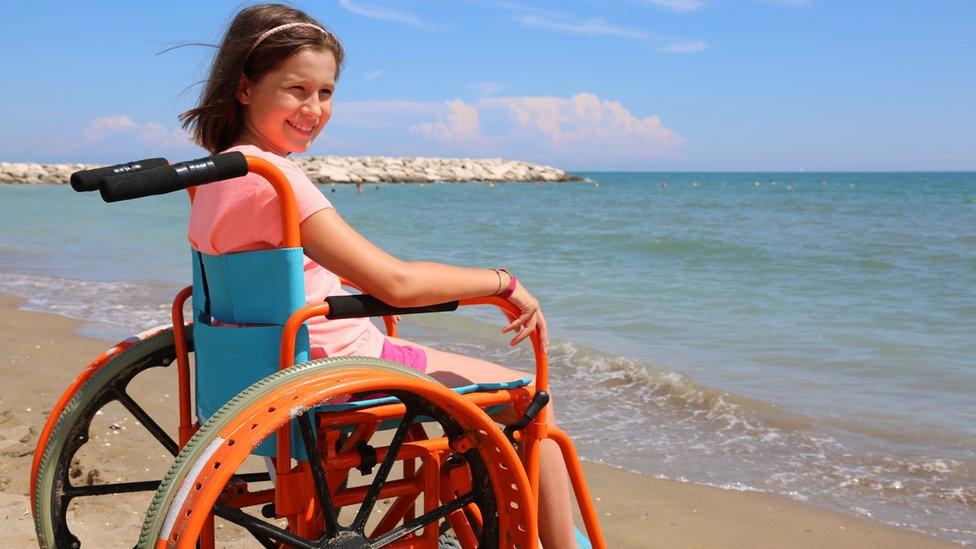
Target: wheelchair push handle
363,305
166,179
91,180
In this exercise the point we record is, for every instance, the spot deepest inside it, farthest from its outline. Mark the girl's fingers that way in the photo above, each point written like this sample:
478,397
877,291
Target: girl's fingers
526,331
543,333
517,322
525,324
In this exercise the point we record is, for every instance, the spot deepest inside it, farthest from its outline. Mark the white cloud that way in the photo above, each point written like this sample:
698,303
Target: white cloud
582,129
116,130
383,113
384,14
677,5
555,21
588,27
487,88
684,47
460,123
98,129
582,120
372,75
791,3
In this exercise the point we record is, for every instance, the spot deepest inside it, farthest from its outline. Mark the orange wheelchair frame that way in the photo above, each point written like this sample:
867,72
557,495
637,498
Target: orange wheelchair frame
470,472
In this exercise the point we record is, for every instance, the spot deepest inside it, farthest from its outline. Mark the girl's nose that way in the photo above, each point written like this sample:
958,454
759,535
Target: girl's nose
312,107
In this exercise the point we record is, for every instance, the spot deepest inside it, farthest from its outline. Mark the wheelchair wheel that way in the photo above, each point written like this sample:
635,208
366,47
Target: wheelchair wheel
59,478
492,507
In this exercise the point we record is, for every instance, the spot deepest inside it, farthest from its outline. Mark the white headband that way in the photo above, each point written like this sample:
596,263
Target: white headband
271,31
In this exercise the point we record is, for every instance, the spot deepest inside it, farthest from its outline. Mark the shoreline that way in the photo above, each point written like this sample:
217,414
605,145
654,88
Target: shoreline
40,353
345,170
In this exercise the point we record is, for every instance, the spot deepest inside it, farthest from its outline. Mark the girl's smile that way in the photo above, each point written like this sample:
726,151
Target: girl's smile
288,107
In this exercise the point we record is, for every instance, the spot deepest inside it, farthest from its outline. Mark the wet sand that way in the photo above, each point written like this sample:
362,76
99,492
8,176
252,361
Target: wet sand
40,354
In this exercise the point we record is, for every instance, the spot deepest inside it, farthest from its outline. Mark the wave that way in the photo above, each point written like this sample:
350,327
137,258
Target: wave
711,436
116,308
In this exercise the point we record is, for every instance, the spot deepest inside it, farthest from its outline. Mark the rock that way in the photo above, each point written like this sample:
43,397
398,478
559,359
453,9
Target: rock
341,169
93,477
332,174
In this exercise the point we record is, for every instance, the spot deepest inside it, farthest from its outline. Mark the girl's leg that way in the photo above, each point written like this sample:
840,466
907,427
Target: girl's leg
555,511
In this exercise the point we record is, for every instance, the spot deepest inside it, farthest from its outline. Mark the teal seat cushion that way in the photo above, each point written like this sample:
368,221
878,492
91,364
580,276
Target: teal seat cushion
473,388
393,423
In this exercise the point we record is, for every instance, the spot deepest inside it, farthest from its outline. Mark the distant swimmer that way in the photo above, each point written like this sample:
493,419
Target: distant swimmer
664,184
359,188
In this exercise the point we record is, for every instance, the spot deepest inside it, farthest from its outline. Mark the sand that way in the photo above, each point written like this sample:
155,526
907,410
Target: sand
40,354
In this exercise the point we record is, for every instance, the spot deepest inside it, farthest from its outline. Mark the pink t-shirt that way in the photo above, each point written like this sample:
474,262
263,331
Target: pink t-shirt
243,214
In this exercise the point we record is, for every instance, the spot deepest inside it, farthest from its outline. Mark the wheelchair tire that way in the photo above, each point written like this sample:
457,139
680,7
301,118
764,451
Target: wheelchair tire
52,489
190,490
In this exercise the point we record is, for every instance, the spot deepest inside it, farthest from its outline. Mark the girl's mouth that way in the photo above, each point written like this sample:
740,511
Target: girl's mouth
306,129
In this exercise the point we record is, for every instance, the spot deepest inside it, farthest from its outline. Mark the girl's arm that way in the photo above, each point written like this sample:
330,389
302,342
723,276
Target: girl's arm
332,243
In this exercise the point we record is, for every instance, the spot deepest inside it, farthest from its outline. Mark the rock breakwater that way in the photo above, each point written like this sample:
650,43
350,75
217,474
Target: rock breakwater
343,169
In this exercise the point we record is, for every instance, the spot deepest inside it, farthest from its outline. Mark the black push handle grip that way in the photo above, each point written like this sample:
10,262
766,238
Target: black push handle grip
358,306
90,180
166,179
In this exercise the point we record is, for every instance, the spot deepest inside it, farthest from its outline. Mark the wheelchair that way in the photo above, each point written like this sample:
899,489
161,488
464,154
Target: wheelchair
360,452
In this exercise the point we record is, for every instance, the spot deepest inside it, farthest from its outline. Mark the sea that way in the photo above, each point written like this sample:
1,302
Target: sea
805,334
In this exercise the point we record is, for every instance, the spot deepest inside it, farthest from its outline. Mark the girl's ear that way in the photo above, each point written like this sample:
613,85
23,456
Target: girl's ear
244,91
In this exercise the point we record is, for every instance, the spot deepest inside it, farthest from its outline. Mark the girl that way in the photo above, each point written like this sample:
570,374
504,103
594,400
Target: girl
269,94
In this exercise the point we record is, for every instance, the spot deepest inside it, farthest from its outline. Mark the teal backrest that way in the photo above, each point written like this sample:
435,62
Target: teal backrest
259,287
241,302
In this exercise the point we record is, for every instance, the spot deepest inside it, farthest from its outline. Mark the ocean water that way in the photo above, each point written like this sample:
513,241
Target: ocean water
812,335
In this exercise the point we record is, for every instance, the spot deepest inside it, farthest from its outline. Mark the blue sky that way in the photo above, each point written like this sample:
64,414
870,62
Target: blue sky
579,84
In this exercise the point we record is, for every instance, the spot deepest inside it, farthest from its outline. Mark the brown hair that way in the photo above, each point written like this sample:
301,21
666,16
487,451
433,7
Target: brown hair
218,118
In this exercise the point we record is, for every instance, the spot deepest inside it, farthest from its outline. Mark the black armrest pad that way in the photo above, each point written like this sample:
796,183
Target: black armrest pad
358,306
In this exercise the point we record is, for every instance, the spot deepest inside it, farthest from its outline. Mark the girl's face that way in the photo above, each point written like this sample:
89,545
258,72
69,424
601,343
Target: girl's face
288,107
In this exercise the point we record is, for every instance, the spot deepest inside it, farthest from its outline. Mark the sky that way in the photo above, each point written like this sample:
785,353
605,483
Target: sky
654,85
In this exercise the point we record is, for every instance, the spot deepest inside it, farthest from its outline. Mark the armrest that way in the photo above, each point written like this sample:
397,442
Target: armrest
362,305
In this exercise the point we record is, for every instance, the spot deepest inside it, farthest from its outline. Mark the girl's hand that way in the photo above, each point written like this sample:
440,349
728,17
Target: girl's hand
530,319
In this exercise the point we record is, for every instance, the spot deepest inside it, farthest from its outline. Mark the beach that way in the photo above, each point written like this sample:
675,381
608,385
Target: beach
40,353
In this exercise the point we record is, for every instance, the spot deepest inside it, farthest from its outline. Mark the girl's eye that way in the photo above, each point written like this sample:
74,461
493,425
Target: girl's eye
326,92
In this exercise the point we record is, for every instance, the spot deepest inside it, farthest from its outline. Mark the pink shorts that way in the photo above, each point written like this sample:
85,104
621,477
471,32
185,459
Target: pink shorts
409,356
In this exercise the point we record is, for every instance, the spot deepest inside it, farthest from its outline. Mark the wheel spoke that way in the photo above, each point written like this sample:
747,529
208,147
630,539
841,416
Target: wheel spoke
423,520
253,477
148,422
256,527
318,475
359,524
105,489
